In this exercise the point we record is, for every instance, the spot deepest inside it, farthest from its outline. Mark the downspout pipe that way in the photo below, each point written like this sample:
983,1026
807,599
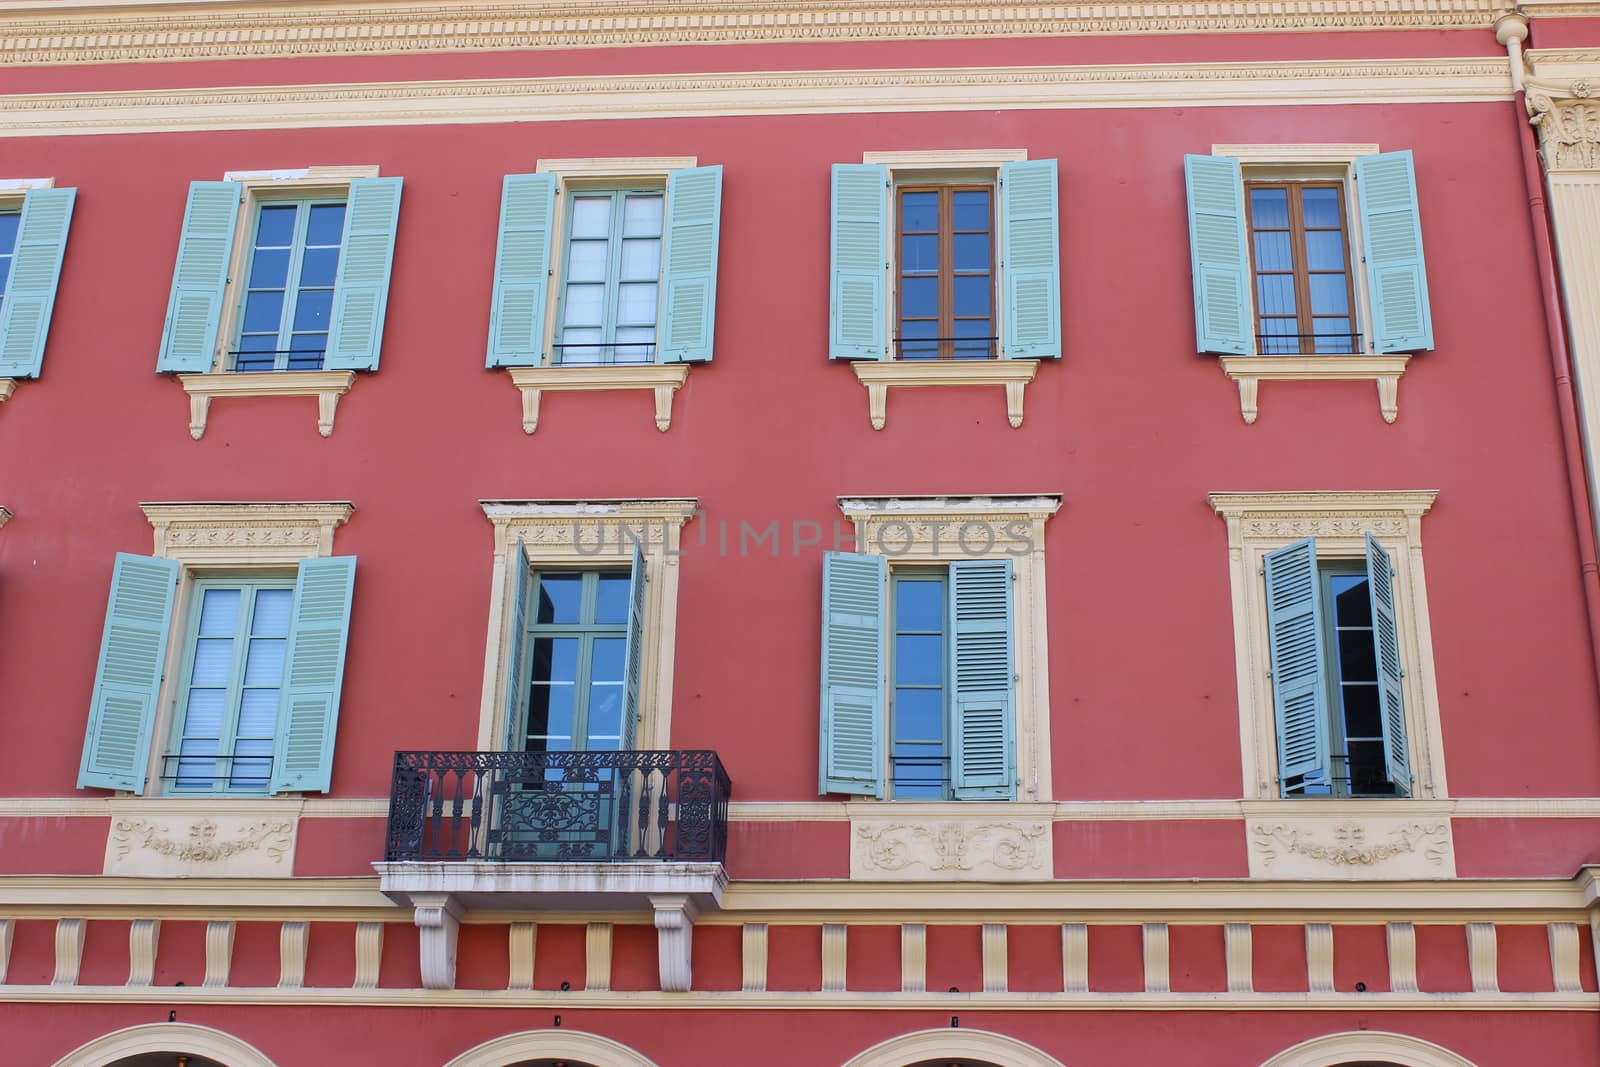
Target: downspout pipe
1511,30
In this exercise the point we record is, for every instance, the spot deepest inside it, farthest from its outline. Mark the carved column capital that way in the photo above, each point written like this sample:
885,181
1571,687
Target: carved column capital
438,918
1567,116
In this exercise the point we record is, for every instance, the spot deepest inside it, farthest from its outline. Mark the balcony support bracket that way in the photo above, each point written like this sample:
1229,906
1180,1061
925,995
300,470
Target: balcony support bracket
438,918
675,916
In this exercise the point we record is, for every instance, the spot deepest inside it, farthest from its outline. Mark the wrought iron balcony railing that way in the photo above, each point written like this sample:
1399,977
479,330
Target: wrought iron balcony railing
528,807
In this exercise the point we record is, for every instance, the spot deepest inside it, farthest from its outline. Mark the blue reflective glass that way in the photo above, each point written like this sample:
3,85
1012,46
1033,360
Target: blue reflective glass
611,603
918,659
919,297
559,598
1269,209
550,710
312,310
1272,252
919,715
606,659
326,226
269,268
919,605
1330,295
9,221
1320,208
275,228
1324,250
919,212
919,253
972,295
1275,294
971,251
263,312
319,268
970,209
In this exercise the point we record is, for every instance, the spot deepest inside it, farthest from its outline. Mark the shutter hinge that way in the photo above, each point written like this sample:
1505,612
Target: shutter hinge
1269,674
1262,570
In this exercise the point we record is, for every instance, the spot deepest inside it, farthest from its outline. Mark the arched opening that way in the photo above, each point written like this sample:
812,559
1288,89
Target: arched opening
953,1048
943,1062
165,1059
1367,1048
166,1045
551,1048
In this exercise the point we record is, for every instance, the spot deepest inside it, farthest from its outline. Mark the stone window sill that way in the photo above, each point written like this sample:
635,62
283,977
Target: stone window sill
1014,374
1251,371
663,380
326,385
7,387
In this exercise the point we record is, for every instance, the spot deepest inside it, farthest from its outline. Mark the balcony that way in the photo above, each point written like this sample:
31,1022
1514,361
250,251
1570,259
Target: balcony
552,831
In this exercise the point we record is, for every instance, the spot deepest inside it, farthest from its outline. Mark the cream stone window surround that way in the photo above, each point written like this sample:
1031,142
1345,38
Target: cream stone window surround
570,533
1302,161
327,386
663,380
12,193
5,516
1258,523
977,164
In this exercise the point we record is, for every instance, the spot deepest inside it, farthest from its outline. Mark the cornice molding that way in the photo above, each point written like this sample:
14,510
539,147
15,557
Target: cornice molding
36,33
564,99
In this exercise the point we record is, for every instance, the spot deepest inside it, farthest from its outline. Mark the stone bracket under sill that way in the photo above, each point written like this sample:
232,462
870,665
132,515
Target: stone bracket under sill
878,376
663,379
326,385
7,387
1251,371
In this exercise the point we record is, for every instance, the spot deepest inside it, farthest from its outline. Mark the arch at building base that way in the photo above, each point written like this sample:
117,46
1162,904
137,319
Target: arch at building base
1367,1046
551,1045
908,1049
181,1038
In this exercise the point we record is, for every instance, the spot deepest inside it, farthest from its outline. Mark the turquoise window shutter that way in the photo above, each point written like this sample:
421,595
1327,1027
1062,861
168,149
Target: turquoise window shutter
30,292
1031,259
633,656
194,311
689,264
983,673
1386,639
516,676
361,290
853,678
522,270
1294,638
858,301
1391,238
1218,258
313,673
127,680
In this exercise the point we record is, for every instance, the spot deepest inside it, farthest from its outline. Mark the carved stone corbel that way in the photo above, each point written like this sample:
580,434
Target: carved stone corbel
1567,118
438,918
675,916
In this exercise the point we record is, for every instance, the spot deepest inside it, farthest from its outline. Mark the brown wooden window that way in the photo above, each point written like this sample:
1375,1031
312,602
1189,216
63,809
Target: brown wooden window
945,296
1300,252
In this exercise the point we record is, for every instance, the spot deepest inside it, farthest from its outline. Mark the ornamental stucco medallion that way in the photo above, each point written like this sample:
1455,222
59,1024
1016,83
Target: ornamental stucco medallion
947,850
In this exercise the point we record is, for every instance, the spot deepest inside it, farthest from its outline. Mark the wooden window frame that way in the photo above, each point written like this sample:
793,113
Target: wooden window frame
585,633
1300,267
946,334
291,288
618,194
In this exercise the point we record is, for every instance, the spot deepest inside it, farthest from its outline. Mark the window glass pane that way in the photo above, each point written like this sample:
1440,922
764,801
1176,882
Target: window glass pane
1278,336
585,305
1330,295
550,711
1367,773
641,260
269,268
982,345
919,715
1320,207
918,659
272,613
919,212
605,715
318,268
252,764
606,659
1352,600
312,310
912,348
275,228
972,295
586,261
636,303
263,313
219,612
641,216
1361,711
919,606
971,251
1334,336
1275,294
258,713
1356,656
970,208
559,598
1269,209
326,226
576,345
5,272
919,298
264,661
611,605
1324,250
635,344
920,252
213,661
591,216
203,715
1272,252
8,231
195,770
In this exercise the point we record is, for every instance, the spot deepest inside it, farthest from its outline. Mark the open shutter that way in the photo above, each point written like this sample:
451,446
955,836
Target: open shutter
522,270
1031,259
361,290
1386,639
1391,237
194,311
313,672
633,656
516,679
30,292
853,678
133,649
689,264
858,308
983,732
1294,638
1218,258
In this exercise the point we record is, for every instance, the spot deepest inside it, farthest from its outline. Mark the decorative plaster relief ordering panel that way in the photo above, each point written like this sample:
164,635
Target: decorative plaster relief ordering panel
183,844
1357,847
980,847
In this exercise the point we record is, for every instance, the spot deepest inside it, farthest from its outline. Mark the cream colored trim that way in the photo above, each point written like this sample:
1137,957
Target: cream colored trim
292,942
369,955
1075,957
219,953
7,387
753,957
953,1044
878,376
662,379
592,98
1402,943
551,1045
156,1038
239,534
1251,371
913,958
589,533
834,950
1482,957
7,931
1280,154
597,957
947,159
69,951
326,385
522,949
1257,523
612,167
100,807
1157,966
143,935
37,32
1237,951
1367,1045
1319,957
300,179
993,939
11,188
5,516
1564,957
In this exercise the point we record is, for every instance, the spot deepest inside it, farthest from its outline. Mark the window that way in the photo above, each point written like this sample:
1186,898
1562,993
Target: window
610,278
289,289
9,220
919,728
222,659
1305,301
34,219
577,685
945,289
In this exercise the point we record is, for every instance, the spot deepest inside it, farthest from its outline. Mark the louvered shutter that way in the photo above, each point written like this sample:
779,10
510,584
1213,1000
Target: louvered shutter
1386,639
127,680
1031,259
308,711
194,311
633,657
1218,258
1294,637
30,291
983,732
361,290
853,678
689,264
858,309
1391,237
516,678
522,270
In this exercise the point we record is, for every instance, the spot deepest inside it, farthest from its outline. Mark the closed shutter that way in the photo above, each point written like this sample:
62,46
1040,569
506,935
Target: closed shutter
127,680
30,291
633,657
522,270
194,311
853,678
983,731
1386,641
1218,258
1391,238
1294,636
516,677
858,309
313,673
689,264
361,290
1031,259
